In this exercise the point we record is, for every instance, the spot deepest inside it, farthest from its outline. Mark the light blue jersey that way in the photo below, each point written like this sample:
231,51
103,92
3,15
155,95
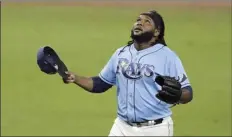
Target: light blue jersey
133,73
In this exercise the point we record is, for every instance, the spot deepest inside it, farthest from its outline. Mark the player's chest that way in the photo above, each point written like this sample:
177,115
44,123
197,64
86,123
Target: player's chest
132,66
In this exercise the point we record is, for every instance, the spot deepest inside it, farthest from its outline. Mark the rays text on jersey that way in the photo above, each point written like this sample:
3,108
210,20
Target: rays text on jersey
134,70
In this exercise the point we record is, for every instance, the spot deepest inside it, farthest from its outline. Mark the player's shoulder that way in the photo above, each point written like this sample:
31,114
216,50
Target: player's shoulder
170,53
121,49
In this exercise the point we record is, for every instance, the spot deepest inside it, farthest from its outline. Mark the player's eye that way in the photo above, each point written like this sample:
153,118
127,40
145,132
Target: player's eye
147,21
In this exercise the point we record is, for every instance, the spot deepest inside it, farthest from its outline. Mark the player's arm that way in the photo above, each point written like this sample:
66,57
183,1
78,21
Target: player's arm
97,84
179,73
187,95
91,84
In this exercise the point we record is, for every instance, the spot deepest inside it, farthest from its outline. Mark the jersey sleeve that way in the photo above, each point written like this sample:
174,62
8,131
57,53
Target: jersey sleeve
177,70
108,73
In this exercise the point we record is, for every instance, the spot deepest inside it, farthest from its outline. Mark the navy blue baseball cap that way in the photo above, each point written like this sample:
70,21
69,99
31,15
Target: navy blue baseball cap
46,61
49,61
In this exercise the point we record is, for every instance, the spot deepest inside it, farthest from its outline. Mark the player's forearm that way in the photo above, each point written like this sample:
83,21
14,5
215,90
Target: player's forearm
186,96
84,82
92,84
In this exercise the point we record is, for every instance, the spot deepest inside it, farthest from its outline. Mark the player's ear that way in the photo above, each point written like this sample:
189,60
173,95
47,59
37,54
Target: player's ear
157,32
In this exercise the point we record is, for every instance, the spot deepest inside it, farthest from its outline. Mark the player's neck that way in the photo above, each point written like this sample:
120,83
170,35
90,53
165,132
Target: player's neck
144,45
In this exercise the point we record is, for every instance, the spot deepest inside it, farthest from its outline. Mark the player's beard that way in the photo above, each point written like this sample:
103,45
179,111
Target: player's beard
142,38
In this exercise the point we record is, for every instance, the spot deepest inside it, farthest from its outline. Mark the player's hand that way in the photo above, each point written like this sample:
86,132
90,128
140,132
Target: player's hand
71,78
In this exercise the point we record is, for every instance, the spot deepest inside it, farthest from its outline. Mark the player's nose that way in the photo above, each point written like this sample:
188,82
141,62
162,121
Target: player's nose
139,23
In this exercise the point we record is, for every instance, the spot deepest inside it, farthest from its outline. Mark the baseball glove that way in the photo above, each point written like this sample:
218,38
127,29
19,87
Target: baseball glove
170,89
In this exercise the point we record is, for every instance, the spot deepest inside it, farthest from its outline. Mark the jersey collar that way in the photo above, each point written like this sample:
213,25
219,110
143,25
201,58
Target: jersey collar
153,48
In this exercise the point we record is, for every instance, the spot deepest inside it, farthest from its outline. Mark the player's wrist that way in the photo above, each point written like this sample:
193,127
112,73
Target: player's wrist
75,79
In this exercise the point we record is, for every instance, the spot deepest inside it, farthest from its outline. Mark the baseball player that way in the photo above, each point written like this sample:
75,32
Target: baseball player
149,77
